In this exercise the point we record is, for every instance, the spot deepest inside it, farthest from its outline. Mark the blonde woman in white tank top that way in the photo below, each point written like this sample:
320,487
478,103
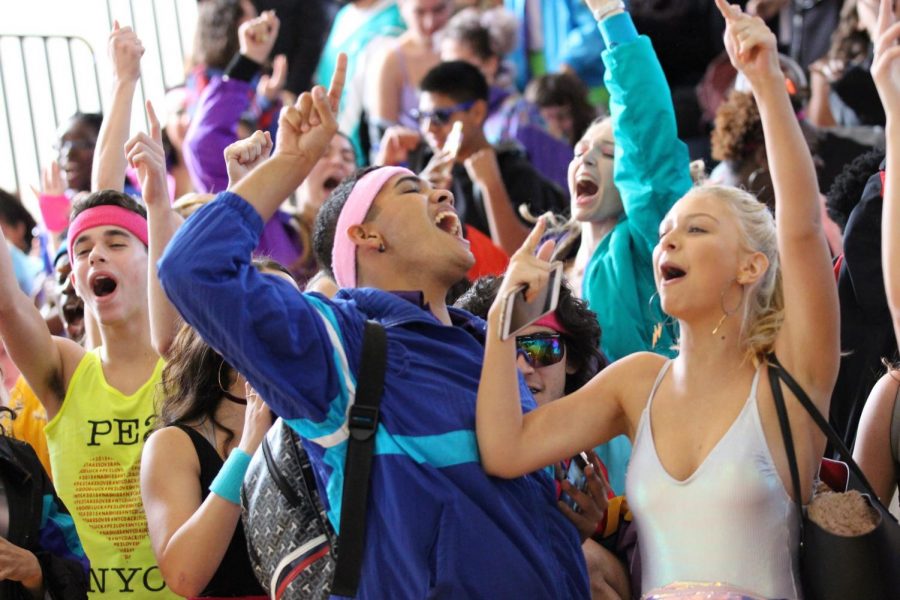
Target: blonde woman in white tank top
707,479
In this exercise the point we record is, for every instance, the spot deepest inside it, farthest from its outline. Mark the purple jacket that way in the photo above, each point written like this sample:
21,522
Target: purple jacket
212,129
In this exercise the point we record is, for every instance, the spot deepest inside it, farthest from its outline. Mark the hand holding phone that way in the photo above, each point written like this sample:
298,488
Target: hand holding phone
518,313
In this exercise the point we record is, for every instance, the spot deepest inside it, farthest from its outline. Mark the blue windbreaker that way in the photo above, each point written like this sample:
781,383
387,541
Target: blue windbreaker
437,525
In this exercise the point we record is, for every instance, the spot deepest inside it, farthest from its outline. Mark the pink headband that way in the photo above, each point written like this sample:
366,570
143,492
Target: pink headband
106,215
552,322
343,254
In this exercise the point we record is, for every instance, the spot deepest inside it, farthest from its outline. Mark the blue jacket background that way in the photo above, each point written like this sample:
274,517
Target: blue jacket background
438,526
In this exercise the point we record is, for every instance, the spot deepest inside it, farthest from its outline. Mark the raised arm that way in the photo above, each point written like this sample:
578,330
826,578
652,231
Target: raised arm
37,354
507,231
304,131
652,166
811,318
125,51
224,100
886,72
510,443
145,153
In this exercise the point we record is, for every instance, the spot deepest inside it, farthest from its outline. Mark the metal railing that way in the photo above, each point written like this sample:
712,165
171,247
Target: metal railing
46,78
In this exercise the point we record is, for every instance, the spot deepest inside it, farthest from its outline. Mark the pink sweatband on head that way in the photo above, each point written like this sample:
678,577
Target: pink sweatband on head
106,216
343,253
551,321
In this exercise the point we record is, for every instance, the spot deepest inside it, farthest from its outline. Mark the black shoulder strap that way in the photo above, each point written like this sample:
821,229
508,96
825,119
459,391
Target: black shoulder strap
779,373
362,422
786,435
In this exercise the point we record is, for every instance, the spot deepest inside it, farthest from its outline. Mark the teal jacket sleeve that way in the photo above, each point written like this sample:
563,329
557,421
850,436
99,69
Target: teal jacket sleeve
652,166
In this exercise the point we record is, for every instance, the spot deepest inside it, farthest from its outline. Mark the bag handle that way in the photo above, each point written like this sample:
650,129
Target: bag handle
778,373
784,424
362,421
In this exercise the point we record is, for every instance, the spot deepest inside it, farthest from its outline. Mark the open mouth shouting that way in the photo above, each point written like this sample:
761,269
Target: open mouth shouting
330,183
585,191
448,222
671,273
103,285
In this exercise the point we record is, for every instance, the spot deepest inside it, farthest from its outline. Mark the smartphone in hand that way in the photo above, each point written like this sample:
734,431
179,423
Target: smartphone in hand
575,476
517,313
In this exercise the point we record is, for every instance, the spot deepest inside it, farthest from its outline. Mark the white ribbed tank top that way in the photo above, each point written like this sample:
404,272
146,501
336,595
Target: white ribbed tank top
731,521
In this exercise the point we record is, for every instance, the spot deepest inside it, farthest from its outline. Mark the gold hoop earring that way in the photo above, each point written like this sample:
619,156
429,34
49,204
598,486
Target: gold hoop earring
725,312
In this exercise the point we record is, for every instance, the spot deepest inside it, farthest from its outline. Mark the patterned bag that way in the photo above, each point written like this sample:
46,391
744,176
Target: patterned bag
289,538
292,546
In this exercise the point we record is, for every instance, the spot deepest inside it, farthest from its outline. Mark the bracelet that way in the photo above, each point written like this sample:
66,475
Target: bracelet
227,484
610,7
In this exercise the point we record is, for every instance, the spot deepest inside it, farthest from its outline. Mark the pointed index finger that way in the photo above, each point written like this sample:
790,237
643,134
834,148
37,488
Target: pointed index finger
531,242
726,9
155,131
336,89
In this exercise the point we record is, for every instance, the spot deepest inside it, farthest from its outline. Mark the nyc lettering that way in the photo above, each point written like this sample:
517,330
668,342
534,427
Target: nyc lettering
126,581
118,432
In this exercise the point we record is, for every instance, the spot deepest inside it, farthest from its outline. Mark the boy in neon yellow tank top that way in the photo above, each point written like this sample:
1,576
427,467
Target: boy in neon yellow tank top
100,403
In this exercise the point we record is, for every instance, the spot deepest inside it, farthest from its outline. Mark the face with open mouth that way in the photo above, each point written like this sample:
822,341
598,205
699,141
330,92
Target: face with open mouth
338,162
699,255
593,195
420,230
110,273
71,307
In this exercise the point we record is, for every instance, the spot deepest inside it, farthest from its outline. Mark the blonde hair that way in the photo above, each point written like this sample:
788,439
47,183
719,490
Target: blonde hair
764,304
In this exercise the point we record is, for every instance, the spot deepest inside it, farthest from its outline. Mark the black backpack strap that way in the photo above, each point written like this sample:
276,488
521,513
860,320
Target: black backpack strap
362,422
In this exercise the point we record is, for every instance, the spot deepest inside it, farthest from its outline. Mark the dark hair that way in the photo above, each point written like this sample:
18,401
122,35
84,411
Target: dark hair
847,189
850,44
564,89
92,120
583,337
456,79
326,220
13,212
216,39
107,198
196,377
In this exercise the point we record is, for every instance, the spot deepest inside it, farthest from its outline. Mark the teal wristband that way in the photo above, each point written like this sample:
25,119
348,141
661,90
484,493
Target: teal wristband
227,484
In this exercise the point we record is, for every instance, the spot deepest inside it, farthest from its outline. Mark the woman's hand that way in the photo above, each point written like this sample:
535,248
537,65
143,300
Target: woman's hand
256,37
528,268
592,502
751,45
18,564
257,420
244,155
271,86
145,153
886,65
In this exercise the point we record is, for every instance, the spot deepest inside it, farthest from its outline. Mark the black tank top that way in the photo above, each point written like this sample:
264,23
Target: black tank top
234,577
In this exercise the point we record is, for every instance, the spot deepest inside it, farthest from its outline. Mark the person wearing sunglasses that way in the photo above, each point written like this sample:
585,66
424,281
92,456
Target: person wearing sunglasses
488,182
555,361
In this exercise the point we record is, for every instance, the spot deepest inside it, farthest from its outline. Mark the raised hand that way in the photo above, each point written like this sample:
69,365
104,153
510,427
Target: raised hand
125,52
750,44
145,153
885,65
245,155
257,420
306,128
529,267
603,9
271,86
592,502
52,183
256,37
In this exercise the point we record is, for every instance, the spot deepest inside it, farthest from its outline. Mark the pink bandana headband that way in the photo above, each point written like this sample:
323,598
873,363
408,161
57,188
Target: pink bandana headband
343,254
109,216
550,320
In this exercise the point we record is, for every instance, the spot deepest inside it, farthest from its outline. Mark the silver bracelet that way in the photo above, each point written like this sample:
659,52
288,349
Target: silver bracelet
611,7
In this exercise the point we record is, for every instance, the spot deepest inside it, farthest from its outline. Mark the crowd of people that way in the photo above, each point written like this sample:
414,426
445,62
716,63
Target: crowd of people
721,199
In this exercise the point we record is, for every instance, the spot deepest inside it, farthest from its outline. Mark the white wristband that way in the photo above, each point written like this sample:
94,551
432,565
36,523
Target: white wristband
608,7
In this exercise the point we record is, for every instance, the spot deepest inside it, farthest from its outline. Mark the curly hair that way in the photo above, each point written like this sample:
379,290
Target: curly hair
488,33
847,189
738,128
583,337
849,43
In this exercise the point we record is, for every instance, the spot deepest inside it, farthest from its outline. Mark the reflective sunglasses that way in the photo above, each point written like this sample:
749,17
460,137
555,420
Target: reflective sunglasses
440,116
541,349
